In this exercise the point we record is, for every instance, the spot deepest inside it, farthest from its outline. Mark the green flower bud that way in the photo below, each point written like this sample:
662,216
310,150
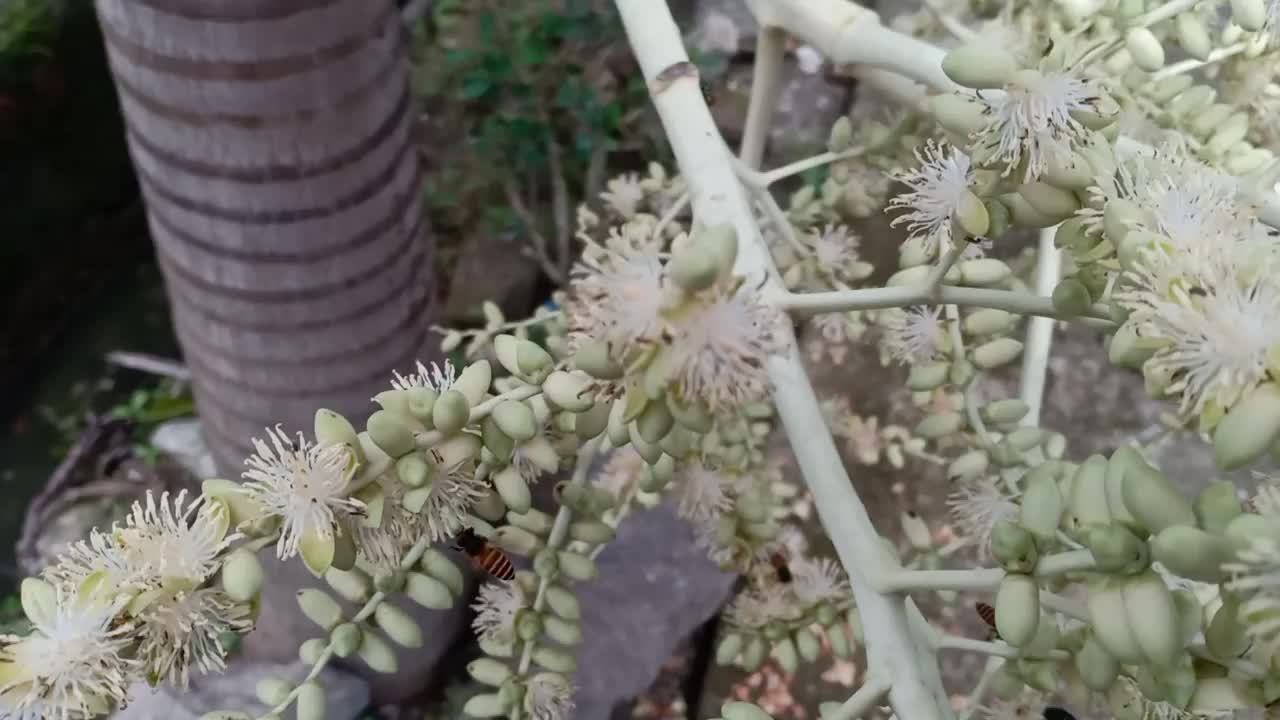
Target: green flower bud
1005,412
515,420
1088,502
594,359
334,429
979,66
988,321
422,401
398,625
310,703
272,691
1153,499
983,271
914,276
1191,553
996,353
1249,14
1013,547
1071,173
1225,636
728,648
377,654
694,267
515,540
413,470
1097,668
451,412
563,603
1192,36
807,644
485,705
723,239
1017,609
841,137
1195,99
576,567
1045,640
1118,217
474,381
568,391
345,639
430,592
242,575
1042,504
1049,201
388,581
1190,613
784,651
513,489
971,215
1071,297
564,632
311,650
655,422
591,531
1109,618
1153,618
488,671
1024,214
589,424
1249,428
958,114
1169,87
1116,550
555,660
1071,234
927,376
390,433
940,425
1127,349
1005,684
534,520
320,608
545,564
352,585
969,465
838,637
1025,438
1145,49
999,218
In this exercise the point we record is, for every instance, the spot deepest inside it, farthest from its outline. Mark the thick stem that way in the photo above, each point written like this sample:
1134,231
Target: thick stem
1035,353
1003,650
766,83
718,198
874,688
903,295
982,579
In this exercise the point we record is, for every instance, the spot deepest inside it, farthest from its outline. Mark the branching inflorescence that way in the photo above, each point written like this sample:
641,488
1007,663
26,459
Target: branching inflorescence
673,348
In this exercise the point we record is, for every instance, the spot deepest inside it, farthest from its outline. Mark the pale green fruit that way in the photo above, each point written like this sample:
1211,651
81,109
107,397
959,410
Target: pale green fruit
971,215
728,648
398,625
784,651
1050,201
564,632
968,466
1119,462
474,381
346,639
576,567
1116,550
808,645
334,429
590,423
1017,609
555,660
533,520
489,671
442,568
1088,501
940,425
983,271
1071,297
927,376
568,391
1225,636
390,433
377,654
563,603
1042,503
485,705
353,585
513,489
515,540
429,591
516,420
734,710
242,575
1097,668
958,114
310,703
311,650
996,353
694,267
1153,500
1005,412
979,66
272,691
988,321
593,532
1249,14
451,412
1192,36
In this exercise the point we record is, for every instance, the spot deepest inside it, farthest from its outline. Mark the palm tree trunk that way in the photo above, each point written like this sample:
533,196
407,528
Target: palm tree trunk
272,140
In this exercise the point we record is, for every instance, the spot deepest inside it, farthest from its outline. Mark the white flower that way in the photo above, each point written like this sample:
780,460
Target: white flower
818,580
624,194
454,491
72,663
304,484
915,334
702,492
537,456
1031,120
835,254
1214,323
1266,501
548,696
1255,572
172,541
762,606
719,346
184,631
978,507
618,297
938,187
621,471
496,608
437,378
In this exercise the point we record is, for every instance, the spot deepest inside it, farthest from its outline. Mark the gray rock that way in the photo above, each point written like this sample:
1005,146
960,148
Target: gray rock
491,268
655,587
347,695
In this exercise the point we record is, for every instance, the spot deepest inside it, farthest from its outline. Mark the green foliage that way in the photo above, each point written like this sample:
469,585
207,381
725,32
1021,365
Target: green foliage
147,407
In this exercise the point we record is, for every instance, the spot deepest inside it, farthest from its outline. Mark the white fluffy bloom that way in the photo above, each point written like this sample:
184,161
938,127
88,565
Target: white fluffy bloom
1031,120
915,334
497,606
1255,573
303,484
938,187
73,663
624,194
178,540
702,492
618,297
835,254
817,580
185,631
437,378
548,696
978,507
719,346
763,606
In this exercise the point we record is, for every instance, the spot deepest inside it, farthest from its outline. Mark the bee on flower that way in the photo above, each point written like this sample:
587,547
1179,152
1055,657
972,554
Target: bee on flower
940,193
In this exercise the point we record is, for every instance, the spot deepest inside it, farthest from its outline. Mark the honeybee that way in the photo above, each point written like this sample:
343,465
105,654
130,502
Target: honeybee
484,555
988,615
781,569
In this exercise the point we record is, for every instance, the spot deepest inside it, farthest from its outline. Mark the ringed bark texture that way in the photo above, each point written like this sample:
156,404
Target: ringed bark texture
272,140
